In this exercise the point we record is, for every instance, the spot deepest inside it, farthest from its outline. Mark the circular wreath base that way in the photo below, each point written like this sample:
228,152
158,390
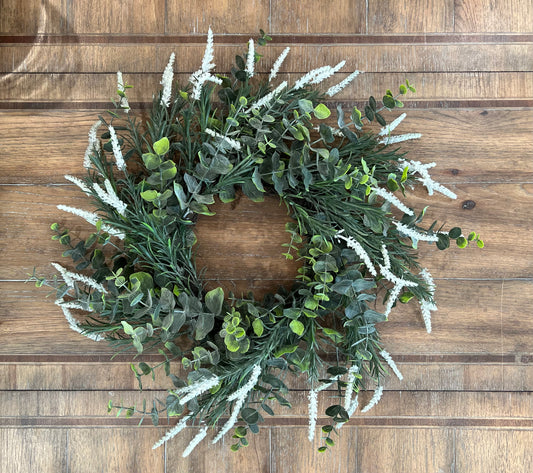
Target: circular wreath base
241,247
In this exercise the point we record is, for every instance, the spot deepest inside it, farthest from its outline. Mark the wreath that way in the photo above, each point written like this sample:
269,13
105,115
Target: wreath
136,284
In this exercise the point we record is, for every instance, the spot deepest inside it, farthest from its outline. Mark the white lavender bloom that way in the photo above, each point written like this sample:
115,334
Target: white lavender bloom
313,413
244,390
317,75
172,432
70,277
194,442
74,324
390,140
393,200
266,99
349,388
390,276
75,305
239,396
94,144
355,245
393,295
388,129
166,81
199,388
231,143
121,88
427,306
386,356
202,75
93,219
386,258
250,59
78,182
110,197
121,164
277,64
432,186
413,234
375,399
64,274
207,63
425,178
350,410
334,90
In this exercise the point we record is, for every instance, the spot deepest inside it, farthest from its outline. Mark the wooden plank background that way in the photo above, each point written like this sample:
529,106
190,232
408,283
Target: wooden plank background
466,402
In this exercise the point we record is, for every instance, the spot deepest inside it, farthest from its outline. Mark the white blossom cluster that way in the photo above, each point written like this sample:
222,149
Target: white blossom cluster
231,143
172,432
266,99
110,197
70,277
375,399
425,178
93,219
316,76
277,64
426,306
355,245
240,397
313,406
393,200
386,356
334,90
250,59
413,234
119,159
390,140
194,442
166,81
203,75
94,144
194,390
73,323
121,87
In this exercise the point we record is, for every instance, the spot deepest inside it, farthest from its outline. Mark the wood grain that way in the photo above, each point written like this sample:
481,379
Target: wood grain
35,207
316,17
409,450
31,450
58,137
133,58
502,451
493,15
410,16
235,16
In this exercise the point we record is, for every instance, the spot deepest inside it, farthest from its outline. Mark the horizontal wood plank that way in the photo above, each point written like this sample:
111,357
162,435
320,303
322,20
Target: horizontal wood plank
59,138
479,208
437,88
479,451
409,16
493,16
370,58
470,320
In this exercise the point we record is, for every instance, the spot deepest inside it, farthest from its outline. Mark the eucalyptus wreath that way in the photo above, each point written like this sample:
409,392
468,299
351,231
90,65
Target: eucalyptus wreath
136,284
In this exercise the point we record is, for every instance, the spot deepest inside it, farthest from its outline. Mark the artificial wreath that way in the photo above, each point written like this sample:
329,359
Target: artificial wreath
136,284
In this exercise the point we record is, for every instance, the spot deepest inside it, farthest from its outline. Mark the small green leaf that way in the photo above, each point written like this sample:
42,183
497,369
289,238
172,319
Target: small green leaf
389,102
321,111
462,242
151,161
214,300
256,178
297,327
455,232
403,89
162,146
258,327
480,243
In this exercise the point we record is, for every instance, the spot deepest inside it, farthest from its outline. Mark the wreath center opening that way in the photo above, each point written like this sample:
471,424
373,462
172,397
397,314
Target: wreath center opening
240,248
